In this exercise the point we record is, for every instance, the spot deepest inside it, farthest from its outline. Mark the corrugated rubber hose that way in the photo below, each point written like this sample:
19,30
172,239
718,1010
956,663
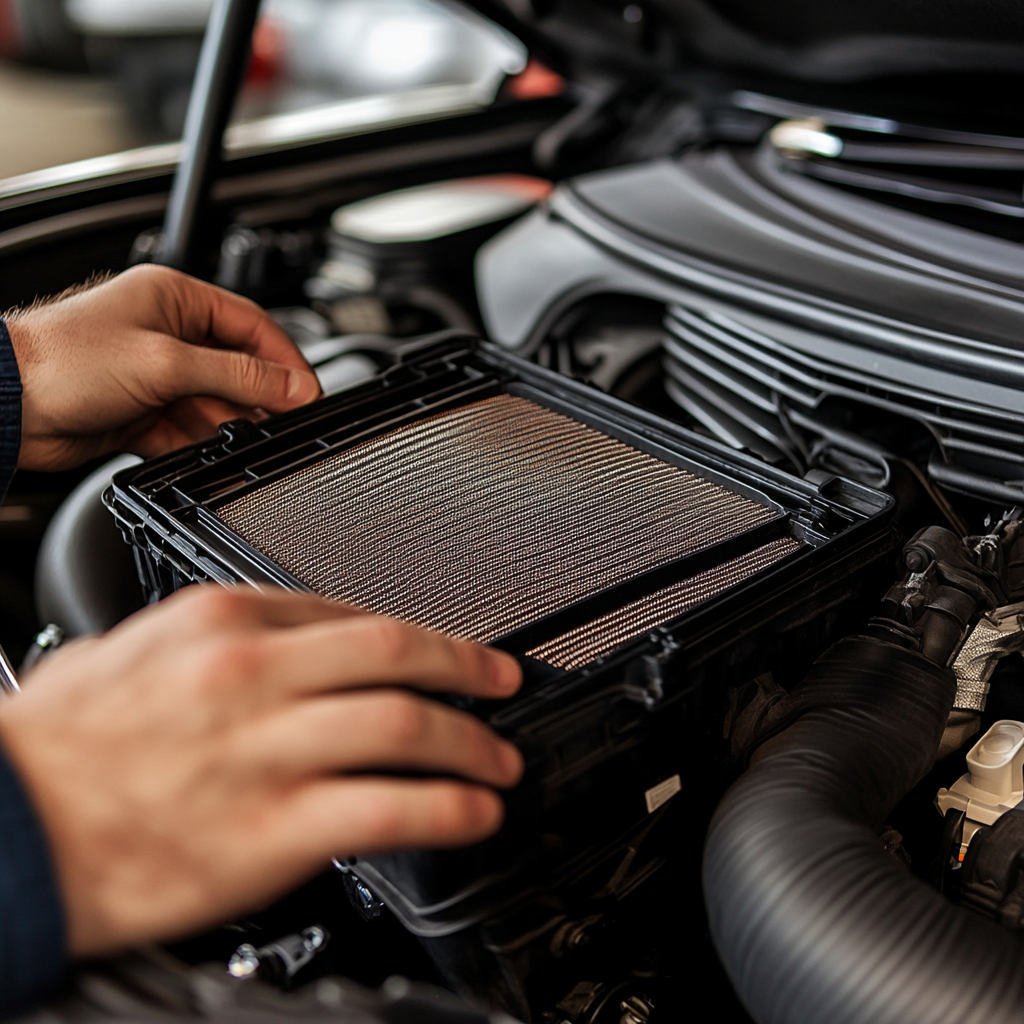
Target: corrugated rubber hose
811,916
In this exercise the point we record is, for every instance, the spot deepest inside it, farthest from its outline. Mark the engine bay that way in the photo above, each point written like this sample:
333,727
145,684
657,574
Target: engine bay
801,322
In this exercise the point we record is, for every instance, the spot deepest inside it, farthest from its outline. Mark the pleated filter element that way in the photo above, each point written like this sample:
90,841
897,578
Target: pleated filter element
482,519
602,635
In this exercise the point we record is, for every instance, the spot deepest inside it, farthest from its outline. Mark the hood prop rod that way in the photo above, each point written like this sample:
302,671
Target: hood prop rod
222,64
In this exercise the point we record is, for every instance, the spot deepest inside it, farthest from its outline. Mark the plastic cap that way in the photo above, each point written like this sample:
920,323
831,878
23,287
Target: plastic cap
995,760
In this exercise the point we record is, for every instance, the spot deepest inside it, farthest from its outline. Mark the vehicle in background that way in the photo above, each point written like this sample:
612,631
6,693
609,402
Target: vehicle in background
306,52
40,32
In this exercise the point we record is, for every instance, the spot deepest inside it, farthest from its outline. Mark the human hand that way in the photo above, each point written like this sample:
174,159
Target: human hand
198,760
147,362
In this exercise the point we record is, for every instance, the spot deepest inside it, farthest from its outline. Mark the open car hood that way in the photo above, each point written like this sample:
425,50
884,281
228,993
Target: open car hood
843,41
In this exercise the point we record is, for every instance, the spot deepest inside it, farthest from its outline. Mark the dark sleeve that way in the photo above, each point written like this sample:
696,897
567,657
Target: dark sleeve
33,955
33,950
10,410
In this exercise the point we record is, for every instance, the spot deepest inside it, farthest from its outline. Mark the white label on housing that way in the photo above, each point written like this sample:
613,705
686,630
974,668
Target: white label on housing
662,793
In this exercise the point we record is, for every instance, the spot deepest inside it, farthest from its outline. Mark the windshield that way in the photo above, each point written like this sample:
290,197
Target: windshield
81,79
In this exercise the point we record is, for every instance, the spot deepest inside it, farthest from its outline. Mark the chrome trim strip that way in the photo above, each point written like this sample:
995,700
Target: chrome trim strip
353,117
66,224
133,162
291,180
267,134
773,106
776,107
288,181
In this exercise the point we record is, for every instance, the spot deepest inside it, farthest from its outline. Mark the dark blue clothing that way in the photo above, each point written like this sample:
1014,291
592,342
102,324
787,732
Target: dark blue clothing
10,410
33,950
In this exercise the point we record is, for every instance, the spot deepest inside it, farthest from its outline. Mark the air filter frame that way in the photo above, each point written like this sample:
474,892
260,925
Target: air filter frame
599,738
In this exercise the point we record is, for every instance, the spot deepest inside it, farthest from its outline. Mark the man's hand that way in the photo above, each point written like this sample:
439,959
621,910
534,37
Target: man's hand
148,362
214,751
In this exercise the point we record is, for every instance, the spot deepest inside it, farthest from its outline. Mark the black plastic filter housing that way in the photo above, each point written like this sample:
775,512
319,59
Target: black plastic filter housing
627,562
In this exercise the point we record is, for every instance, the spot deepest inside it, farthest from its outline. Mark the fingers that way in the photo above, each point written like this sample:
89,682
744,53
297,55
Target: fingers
98,364
360,817
213,314
202,314
234,621
369,650
259,365
215,609
315,645
368,731
182,423
236,377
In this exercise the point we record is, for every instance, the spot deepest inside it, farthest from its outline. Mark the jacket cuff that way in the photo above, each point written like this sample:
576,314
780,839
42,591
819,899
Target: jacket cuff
10,410
33,947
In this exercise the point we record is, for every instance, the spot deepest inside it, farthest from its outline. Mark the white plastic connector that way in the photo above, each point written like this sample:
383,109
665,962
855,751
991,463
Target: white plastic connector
994,783
996,760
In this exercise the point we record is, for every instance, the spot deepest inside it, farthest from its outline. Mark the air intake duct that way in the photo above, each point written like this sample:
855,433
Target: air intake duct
813,918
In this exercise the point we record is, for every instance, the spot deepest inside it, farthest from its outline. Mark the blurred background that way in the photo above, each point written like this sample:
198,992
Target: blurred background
86,78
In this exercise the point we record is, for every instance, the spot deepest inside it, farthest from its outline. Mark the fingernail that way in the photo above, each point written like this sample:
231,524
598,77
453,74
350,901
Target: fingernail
505,673
302,387
511,762
486,808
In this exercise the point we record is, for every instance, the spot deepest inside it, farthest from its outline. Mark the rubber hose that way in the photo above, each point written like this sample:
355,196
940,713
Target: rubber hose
86,580
812,918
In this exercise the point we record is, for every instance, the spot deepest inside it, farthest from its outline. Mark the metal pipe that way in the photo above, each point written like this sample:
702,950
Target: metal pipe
8,677
222,65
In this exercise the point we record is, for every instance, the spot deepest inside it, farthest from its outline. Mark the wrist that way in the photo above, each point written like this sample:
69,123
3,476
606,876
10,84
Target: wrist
21,333
43,445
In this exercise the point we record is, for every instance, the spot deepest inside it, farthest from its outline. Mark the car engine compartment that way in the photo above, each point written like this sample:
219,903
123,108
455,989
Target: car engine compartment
679,571
815,310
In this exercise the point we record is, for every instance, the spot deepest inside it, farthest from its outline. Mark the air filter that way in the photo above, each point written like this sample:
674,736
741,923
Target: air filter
483,519
628,563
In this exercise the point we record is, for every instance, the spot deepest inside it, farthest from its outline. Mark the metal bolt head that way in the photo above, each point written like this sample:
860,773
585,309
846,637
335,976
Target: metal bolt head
51,636
636,1010
313,938
244,962
916,560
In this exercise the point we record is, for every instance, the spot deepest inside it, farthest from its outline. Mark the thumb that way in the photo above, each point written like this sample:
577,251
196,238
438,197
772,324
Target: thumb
242,379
